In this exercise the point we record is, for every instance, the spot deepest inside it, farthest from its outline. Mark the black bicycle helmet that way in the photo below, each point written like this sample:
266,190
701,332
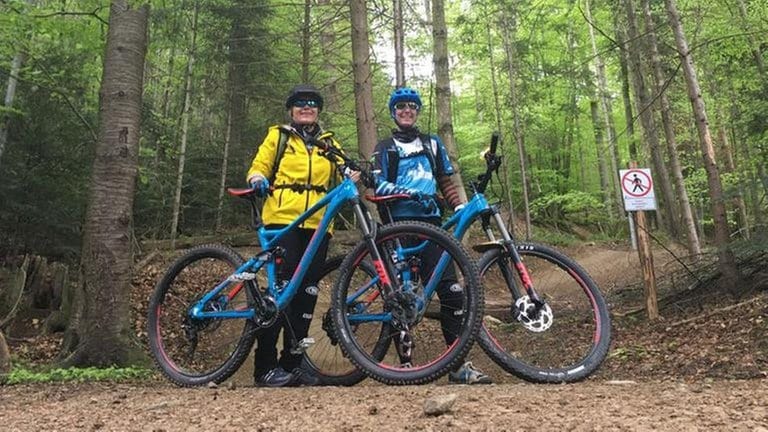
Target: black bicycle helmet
304,91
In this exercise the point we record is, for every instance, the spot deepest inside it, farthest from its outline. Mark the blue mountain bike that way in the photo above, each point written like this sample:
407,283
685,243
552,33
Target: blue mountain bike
545,319
207,309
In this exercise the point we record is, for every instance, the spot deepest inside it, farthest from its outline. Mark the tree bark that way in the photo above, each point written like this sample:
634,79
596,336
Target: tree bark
614,205
667,213
224,168
397,12
443,91
509,32
184,128
361,69
327,41
5,357
305,43
692,237
597,127
100,334
730,167
726,260
10,94
625,83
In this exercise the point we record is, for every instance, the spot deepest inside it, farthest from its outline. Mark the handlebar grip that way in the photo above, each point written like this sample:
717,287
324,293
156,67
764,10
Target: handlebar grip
494,142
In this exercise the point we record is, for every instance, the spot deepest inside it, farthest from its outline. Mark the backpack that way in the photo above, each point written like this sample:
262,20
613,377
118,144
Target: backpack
393,157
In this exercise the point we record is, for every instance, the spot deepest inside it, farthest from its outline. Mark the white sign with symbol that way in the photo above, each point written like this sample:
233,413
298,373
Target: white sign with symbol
637,188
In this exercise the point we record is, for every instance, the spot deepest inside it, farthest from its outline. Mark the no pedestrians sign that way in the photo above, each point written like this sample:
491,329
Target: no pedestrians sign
637,189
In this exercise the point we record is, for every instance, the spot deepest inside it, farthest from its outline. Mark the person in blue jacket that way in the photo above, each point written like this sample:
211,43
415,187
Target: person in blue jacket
414,163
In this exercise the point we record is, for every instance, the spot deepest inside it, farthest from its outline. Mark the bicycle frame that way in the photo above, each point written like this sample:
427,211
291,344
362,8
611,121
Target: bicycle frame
346,192
335,199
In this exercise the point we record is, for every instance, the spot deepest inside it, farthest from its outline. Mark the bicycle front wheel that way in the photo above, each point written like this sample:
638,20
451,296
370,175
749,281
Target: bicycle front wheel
402,338
568,340
190,351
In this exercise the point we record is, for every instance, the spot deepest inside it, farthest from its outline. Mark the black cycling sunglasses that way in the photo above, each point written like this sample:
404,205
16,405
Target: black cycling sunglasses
305,103
403,105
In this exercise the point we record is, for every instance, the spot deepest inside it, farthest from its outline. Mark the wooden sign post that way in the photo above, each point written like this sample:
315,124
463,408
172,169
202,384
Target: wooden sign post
637,189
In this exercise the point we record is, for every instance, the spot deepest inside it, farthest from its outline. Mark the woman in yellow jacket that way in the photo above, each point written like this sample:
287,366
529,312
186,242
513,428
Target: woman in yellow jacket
299,176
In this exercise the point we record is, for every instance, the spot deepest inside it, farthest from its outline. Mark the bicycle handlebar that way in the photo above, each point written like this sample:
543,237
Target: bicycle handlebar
494,142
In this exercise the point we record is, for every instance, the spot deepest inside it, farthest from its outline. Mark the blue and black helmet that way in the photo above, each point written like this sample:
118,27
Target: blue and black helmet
403,94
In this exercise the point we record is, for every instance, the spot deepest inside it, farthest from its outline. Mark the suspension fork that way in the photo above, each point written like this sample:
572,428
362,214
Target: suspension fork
510,252
384,267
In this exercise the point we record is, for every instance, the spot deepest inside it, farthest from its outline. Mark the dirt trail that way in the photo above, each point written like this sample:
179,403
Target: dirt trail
716,405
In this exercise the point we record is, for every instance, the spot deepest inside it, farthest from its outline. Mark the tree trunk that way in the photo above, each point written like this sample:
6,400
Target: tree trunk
494,83
509,32
184,128
730,167
5,357
753,43
625,83
692,238
237,80
100,333
397,12
667,212
361,69
305,43
726,260
757,53
610,129
327,42
597,126
10,94
224,168
443,91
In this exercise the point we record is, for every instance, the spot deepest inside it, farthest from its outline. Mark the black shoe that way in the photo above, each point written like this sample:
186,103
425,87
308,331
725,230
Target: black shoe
277,377
302,377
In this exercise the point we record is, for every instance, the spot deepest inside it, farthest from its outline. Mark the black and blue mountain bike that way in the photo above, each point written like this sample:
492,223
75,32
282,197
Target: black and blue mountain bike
545,319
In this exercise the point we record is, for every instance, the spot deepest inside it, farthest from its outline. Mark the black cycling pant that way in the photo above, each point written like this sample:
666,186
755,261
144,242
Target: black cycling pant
299,311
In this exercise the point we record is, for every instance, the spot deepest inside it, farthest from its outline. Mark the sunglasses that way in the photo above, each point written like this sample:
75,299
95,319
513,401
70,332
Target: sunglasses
403,105
305,103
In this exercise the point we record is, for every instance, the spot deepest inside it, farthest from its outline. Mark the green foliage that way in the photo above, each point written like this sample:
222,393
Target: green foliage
575,206
45,168
26,376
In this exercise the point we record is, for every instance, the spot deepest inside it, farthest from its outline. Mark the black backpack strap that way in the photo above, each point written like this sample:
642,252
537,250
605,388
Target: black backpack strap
282,144
393,159
426,142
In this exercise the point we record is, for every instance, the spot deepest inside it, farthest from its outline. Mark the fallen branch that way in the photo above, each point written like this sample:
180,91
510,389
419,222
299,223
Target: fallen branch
718,310
146,260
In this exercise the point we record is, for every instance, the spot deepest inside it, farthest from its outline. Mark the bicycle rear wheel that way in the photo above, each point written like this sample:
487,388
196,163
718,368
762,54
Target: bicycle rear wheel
325,358
566,345
368,324
193,352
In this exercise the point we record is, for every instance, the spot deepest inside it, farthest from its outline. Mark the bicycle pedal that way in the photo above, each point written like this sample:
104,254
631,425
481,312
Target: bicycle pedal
303,345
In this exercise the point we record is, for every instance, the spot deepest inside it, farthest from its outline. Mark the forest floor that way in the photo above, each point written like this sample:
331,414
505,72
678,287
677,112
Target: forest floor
702,366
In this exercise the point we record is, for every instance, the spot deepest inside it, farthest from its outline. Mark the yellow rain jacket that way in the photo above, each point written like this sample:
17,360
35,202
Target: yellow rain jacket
298,168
